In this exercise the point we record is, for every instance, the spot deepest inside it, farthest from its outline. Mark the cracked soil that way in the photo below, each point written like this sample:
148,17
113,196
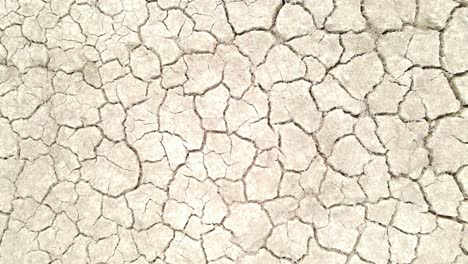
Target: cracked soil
233,131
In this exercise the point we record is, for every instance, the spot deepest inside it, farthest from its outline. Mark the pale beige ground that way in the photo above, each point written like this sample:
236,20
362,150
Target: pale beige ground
233,131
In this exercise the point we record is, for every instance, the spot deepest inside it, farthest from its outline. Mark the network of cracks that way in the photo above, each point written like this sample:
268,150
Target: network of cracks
234,131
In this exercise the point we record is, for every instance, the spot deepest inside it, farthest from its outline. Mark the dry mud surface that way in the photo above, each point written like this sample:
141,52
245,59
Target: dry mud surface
233,131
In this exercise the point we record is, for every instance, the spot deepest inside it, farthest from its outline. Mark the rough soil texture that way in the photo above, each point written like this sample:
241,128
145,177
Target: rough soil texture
233,131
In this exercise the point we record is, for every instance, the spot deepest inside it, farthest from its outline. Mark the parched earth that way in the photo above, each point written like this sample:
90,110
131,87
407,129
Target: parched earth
233,131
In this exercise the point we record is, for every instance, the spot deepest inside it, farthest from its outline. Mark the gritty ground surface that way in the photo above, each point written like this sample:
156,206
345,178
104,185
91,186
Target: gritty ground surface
202,131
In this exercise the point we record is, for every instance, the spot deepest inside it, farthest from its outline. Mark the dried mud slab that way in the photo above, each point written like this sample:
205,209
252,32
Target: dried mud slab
233,131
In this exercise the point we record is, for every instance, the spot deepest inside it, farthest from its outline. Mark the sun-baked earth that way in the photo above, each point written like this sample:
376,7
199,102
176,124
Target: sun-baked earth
233,131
